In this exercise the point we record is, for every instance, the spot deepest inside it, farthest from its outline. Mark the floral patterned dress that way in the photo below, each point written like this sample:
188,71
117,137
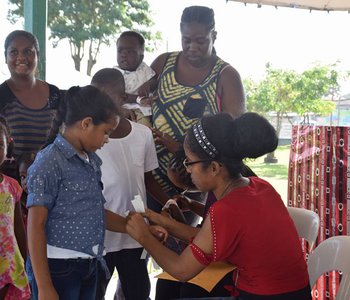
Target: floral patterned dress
11,262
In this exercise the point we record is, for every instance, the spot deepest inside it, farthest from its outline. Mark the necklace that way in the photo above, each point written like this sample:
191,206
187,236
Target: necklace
231,184
224,192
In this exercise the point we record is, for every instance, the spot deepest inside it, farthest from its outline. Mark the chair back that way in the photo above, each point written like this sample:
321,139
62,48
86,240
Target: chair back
332,254
307,223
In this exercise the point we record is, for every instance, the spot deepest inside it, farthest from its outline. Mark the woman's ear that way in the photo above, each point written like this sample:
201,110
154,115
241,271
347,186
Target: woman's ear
215,167
86,122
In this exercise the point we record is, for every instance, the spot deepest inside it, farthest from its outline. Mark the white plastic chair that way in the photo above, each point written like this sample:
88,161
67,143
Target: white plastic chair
307,223
332,254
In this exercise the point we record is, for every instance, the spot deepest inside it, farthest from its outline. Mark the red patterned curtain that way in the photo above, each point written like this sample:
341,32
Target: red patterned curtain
319,180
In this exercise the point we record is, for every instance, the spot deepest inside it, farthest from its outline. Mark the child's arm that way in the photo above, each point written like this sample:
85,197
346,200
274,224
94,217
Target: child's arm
154,189
37,218
20,231
115,222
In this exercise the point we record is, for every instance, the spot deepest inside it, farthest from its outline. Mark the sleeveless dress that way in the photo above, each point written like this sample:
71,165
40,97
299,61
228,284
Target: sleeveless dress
11,261
179,106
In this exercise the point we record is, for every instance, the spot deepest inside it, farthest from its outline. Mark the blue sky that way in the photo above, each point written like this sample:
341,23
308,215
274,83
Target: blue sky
248,38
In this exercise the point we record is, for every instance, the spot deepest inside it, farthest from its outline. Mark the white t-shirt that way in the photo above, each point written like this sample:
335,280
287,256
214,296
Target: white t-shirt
124,163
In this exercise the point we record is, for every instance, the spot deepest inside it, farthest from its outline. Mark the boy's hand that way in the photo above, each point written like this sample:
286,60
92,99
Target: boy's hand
48,292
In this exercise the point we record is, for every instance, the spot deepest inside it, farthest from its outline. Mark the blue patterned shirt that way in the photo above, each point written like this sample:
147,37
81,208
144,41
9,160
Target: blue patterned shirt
70,188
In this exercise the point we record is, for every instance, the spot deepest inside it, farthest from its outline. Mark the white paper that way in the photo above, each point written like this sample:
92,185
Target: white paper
138,205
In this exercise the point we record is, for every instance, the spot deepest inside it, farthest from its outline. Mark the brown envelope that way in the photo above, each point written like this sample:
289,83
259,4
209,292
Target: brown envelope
208,278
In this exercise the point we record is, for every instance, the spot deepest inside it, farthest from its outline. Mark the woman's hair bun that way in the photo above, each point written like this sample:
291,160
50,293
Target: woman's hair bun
252,136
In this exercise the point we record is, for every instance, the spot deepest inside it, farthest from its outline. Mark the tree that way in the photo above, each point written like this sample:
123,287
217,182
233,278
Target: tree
89,24
317,86
285,91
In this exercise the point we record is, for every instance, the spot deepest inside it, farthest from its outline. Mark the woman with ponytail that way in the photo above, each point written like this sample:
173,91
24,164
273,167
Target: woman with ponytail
248,227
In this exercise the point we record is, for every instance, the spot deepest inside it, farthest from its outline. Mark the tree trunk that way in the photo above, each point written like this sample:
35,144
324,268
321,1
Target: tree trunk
77,61
77,53
270,157
92,56
90,64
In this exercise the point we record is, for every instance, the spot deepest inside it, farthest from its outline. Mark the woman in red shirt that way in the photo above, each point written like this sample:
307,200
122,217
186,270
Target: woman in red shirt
248,226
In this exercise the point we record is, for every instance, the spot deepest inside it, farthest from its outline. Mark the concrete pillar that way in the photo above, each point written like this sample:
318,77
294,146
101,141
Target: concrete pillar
35,16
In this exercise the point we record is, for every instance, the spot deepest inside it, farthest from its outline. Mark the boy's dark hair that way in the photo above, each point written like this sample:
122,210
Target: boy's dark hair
82,102
10,144
21,33
108,76
249,136
200,14
135,35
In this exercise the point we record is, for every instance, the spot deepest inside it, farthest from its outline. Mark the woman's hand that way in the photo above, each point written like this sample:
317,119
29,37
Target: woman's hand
183,202
152,216
166,140
159,233
137,228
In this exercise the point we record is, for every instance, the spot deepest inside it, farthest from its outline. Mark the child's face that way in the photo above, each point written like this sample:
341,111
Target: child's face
95,136
117,94
3,147
129,53
22,170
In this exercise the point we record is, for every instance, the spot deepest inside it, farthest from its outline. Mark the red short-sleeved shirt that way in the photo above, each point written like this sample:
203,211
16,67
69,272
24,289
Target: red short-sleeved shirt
253,231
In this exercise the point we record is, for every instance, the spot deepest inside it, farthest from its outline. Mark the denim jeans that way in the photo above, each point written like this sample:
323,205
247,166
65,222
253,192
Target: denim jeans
74,279
31,279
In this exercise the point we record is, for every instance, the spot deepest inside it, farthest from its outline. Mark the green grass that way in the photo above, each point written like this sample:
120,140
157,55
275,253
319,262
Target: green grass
275,173
277,170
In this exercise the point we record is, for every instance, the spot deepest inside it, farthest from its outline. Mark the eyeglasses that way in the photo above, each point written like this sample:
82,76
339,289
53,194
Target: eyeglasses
187,163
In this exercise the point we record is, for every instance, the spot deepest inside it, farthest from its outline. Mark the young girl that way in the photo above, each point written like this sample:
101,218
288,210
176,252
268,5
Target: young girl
248,226
13,280
66,222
